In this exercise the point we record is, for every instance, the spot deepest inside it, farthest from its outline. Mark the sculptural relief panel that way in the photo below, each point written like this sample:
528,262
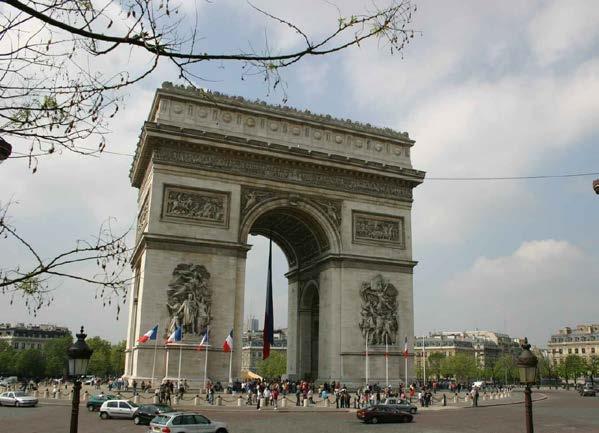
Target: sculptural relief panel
189,299
378,229
142,216
378,315
199,206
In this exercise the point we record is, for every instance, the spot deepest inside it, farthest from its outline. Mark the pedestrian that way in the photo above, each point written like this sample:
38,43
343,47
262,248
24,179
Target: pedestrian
275,396
134,387
297,395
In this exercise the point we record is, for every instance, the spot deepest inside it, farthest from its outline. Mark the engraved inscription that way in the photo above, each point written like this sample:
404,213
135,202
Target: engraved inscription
378,228
197,205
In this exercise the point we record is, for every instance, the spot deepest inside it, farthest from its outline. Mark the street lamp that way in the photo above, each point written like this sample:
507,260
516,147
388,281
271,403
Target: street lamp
527,367
79,354
5,149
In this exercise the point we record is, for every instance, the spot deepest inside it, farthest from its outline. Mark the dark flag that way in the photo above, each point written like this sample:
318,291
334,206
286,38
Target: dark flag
267,336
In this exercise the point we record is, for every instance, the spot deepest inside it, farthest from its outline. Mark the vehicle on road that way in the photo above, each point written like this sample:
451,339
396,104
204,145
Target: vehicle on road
11,380
588,390
404,405
95,401
88,380
383,413
118,409
17,399
147,412
185,422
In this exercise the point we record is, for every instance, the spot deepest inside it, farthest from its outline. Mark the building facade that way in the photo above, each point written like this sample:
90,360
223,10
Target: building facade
22,337
582,341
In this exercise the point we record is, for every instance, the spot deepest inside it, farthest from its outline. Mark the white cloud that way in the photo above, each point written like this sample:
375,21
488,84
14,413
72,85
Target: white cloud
564,29
540,287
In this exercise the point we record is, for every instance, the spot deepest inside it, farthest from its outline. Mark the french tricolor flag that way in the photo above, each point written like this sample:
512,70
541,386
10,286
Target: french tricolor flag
150,335
177,335
405,348
228,344
205,340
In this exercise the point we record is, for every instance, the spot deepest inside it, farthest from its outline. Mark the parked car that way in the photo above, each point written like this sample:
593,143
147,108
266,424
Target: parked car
11,380
17,399
588,391
400,404
185,422
88,380
95,401
118,409
383,413
147,412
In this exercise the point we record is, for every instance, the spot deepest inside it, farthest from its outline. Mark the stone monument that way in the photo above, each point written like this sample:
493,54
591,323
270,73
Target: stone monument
335,195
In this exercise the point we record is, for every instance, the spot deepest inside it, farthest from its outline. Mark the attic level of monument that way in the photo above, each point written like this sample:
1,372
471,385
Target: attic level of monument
213,118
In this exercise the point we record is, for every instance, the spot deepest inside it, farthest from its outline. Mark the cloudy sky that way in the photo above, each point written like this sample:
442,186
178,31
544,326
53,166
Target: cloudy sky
490,89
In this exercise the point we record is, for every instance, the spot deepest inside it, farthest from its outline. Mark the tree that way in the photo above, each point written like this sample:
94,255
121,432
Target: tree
100,362
117,358
7,359
572,367
433,364
593,365
274,366
55,352
461,366
505,369
55,94
31,363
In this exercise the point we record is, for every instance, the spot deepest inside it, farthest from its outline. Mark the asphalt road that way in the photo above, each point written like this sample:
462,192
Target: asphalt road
563,411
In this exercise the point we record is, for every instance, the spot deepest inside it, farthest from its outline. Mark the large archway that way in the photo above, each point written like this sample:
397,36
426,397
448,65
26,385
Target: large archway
302,232
335,195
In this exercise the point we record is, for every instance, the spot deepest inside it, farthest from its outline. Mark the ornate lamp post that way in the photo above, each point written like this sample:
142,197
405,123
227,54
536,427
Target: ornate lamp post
5,149
527,367
79,355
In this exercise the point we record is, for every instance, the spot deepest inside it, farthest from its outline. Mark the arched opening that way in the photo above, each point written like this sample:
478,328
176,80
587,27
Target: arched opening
300,237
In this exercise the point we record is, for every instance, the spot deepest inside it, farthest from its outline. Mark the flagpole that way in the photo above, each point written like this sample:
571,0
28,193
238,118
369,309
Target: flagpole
230,366
206,359
366,359
179,373
405,362
423,361
386,362
154,362
166,363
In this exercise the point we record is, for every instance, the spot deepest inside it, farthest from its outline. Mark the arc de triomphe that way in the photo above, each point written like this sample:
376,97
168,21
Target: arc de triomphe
335,195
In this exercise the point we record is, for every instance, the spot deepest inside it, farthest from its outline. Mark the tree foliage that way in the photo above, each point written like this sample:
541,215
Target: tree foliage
434,364
55,352
505,369
462,367
572,367
30,363
7,359
274,366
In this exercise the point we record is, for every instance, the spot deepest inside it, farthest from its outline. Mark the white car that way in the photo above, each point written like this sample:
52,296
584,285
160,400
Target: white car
118,409
17,399
185,422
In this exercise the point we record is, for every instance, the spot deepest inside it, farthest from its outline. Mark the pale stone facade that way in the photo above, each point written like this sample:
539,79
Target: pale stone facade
582,341
335,195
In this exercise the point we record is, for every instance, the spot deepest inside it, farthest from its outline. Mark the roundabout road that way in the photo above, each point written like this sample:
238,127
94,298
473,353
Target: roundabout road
563,411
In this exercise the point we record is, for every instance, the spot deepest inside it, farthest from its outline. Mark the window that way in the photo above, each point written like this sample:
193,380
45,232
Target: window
583,350
569,350
184,420
561,351
592,350
112,404
576,350
200,419
124,405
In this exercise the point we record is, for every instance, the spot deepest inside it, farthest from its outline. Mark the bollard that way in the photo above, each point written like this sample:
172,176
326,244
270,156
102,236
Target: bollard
136,398
175,401
262,402
196,400
219,400
327,403
455,398
305,402
46,393
466,398
35,393
283,403
239,401
155,400
85,395
70,395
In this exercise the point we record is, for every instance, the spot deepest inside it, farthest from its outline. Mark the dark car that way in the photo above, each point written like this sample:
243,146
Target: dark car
588,391
147,412
95,401
383,413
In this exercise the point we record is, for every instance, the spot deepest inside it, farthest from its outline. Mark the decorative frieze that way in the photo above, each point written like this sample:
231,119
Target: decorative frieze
318,176
195,205
375,228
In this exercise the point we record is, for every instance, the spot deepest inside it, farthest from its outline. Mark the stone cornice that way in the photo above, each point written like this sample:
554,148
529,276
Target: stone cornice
218,98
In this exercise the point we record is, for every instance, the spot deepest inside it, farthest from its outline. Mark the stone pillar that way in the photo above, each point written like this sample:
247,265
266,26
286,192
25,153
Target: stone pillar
219,400
305,402
283,402
136,398
175,400
155,399
262,402
46,393
239,401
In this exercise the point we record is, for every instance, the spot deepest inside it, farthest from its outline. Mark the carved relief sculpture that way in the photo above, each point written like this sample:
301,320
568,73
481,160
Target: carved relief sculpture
379,311
142,217
197,205
378,229
189,299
